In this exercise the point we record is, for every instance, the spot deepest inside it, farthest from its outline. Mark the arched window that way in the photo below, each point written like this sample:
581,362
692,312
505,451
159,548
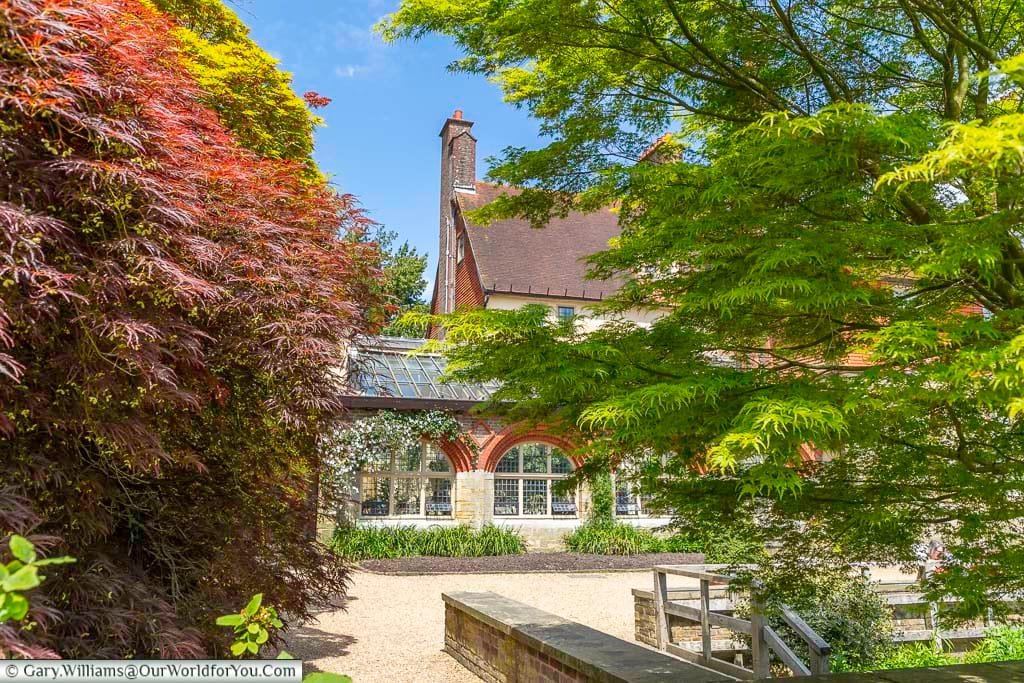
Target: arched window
416,483
523,482
630,501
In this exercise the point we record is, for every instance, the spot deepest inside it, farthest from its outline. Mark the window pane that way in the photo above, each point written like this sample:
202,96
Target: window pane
409,461
439,497
407,496
506,496
535,458
378,462
436,459
648,506
566,312
563,505
417,373
375,496
399,370
559,463
625,499
535,496
509,463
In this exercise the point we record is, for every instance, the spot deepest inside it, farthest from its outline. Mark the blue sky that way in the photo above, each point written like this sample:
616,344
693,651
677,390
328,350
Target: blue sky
381,140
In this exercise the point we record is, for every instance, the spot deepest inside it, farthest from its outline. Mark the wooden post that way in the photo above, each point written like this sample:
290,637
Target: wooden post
819,663
761,663
664,635
705,619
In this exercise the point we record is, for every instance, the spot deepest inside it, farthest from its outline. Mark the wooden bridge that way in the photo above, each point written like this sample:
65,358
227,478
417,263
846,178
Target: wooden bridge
712,608
709,613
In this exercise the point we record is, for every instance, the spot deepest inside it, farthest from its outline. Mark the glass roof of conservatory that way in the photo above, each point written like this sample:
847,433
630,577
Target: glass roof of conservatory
386,367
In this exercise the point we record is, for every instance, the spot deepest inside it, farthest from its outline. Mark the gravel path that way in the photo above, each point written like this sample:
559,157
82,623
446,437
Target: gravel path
393,629
530,562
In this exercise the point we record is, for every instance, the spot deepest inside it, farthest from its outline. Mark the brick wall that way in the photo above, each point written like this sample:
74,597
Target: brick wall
496,657
645,621
505,641
479,647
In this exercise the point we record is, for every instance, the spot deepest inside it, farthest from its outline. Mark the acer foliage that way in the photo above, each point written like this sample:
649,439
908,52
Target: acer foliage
241,81
171,308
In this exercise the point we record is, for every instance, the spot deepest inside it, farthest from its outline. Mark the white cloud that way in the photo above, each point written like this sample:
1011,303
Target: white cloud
349,70
363,50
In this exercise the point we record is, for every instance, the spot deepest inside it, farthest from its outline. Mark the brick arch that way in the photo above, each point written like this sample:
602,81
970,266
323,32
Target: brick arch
513,436
459,454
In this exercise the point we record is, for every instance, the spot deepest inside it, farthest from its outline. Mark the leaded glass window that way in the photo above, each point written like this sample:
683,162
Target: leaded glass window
418,482
631,500
524,482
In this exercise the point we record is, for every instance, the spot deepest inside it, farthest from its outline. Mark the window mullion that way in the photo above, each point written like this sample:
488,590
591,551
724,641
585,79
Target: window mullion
547,487
521,484
423,478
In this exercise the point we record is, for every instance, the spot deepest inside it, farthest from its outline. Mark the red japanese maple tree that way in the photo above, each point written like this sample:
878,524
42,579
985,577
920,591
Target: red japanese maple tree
172,311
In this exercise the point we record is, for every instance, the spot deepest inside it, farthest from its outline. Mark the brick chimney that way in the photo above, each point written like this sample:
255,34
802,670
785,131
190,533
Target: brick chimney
458,174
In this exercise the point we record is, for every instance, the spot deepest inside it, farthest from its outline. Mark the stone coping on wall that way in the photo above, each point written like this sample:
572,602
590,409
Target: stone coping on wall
590,654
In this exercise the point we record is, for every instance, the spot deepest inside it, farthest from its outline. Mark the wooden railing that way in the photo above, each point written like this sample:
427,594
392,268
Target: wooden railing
763,639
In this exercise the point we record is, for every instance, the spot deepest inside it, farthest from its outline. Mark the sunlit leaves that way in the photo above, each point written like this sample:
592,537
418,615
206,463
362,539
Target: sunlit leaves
836,229
242,82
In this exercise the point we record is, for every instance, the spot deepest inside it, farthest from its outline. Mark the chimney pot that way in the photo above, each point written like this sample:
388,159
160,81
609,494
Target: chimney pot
457,115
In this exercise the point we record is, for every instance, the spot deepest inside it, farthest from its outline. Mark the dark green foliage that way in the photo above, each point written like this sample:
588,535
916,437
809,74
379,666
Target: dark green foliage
382,543
403,281
612,537
722,546
839,196
495,540
1001,644
602,496
849,615
910,656
603,537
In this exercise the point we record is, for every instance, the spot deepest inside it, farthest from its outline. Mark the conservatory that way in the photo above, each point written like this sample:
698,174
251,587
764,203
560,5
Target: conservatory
480,471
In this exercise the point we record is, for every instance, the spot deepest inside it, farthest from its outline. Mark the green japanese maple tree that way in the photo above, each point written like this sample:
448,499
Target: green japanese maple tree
833,226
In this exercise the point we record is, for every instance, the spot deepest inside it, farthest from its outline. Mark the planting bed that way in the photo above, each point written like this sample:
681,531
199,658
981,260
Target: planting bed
530,562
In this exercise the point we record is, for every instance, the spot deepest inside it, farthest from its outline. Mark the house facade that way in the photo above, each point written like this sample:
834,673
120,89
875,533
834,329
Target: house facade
496,473
508,264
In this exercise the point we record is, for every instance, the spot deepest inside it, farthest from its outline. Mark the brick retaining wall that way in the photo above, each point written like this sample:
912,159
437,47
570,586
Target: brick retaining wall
503,641
645,622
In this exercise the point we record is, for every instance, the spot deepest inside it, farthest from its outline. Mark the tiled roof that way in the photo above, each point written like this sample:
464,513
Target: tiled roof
513,257
386,367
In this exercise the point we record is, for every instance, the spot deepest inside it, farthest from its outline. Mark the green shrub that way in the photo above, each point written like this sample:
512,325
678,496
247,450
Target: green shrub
850,616
378,543
389,542
1001,644
844,610
496,540
911,656
602,497
718,546
601,537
